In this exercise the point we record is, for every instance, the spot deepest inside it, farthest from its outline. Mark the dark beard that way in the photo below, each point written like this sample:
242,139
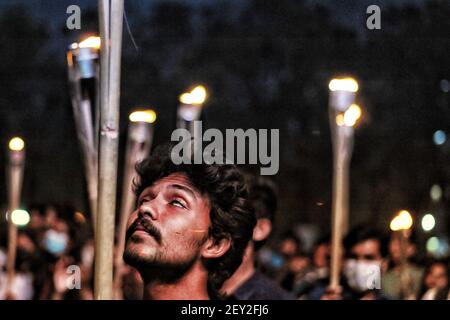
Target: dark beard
153,270
157,271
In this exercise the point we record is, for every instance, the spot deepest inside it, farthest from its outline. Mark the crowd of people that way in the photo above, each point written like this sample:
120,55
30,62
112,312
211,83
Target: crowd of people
375,266
202,231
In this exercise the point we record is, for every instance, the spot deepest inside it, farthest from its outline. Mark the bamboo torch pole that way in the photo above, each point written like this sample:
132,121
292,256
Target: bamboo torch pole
111,23
342,154
140,137
82,60
401,225
15,178
343,116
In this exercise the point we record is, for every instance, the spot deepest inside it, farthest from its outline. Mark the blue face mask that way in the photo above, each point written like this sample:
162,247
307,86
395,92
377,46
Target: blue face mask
55,242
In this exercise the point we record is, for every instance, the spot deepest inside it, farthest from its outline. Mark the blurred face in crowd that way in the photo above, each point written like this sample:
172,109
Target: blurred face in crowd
437,276
37,220
363,265
56,238
298,264
321,256
367,251
396,250
288,247
51,217
169,227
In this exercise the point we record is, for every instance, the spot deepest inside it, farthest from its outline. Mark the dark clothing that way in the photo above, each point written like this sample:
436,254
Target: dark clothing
319,288
260,287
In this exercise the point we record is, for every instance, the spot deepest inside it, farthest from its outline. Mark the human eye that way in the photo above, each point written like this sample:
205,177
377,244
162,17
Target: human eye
178,203
144,199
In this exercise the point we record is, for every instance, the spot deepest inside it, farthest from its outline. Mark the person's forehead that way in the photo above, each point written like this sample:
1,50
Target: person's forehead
369,244
438,268
177,180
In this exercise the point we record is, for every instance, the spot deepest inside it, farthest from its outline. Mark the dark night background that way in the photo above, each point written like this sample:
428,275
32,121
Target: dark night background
266,64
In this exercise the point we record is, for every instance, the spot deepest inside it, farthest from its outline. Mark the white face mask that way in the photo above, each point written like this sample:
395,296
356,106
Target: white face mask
56,242
362,275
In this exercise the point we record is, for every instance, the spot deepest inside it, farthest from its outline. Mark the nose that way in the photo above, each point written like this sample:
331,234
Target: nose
148,209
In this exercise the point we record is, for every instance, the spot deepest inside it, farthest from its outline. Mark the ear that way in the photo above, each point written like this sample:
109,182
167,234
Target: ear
215,249
262,229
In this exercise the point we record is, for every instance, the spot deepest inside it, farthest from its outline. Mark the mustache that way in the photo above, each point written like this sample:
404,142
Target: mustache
147,225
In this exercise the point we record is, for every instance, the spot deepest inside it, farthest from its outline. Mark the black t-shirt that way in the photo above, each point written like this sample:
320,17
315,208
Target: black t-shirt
260,287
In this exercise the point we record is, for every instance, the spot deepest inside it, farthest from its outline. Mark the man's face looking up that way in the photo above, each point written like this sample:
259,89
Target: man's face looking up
169,227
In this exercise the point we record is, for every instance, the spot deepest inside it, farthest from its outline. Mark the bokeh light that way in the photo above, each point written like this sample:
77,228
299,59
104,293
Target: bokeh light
20,217
16,144
345,84
439,137
196,96
428,222
402,221
445,85
436,193
148,116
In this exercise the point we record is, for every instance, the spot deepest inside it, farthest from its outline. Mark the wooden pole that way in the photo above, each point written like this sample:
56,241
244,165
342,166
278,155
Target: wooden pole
83,120
342,154
405,276
342,139
15,178
140,136
82,109
111,23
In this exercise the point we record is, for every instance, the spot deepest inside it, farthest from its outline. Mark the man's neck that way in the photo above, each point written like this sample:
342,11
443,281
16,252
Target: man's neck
191,286
245,271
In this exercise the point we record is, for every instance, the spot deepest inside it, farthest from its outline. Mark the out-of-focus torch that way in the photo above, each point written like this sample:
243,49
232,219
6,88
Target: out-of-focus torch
343,115
140,138
83,64
15,177
401,225
190,109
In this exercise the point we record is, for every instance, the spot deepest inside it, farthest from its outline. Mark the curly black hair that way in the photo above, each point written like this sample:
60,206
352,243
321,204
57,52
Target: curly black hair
231,214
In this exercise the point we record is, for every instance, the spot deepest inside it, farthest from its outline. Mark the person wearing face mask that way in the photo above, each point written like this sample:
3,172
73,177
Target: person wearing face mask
56,239
55,246
361,269
365,252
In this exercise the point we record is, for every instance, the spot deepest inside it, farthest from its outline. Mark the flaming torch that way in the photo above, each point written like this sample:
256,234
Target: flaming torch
140,137
83,65
15,178
344,115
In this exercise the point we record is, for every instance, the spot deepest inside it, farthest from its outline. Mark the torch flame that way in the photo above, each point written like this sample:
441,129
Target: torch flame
91,42
344,84
148,116
350,117
16,144
402,221
196,96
